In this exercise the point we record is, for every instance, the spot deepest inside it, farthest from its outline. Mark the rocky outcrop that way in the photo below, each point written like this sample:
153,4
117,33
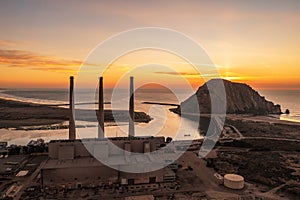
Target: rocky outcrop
240,98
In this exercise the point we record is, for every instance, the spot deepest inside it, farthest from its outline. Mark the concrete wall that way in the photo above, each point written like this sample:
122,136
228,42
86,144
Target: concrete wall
58,149
92,176
79,150
72,176
142,178
66,152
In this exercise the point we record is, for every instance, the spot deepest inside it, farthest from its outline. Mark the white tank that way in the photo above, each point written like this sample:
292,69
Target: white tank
234,181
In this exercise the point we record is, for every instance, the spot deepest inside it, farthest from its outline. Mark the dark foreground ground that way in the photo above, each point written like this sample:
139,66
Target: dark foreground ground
267,155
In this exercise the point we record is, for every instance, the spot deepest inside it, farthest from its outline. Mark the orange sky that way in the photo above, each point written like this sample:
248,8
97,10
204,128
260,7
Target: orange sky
257,42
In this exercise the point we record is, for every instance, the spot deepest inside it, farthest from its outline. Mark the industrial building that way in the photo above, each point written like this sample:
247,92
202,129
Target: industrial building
75,163
71,165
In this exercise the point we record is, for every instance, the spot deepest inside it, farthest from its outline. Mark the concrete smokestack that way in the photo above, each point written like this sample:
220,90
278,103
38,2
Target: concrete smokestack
101,110
131,108
72,131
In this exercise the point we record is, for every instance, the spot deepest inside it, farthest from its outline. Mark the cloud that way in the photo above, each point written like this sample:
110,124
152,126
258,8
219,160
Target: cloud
7,43
178,73
192,75
35,61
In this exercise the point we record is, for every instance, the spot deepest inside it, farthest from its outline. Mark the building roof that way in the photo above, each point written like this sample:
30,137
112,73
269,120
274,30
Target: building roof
141,197
110,138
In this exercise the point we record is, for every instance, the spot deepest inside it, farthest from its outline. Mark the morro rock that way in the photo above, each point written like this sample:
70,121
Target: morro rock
240,99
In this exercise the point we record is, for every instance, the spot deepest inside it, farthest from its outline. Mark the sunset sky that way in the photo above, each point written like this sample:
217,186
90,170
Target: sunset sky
42,43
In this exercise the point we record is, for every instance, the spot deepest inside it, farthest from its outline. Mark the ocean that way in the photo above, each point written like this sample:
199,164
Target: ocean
288,99
164,123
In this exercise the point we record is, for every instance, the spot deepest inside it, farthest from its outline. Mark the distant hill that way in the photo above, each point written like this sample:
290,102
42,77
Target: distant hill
240,99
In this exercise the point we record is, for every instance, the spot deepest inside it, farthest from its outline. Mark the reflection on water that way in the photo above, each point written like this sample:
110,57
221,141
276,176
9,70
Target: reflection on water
163,123
288,99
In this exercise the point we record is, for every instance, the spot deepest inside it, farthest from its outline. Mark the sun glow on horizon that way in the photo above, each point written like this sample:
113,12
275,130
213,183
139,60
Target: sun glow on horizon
250,42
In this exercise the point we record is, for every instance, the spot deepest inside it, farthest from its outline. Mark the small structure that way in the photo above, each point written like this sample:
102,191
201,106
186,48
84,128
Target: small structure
12,191
22,173
34,143
234,181
3,149
219,178
3,145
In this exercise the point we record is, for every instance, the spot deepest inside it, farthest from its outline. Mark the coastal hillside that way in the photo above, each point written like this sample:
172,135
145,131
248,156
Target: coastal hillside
240,99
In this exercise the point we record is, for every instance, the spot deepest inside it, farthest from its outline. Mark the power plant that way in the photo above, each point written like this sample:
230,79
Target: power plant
76,163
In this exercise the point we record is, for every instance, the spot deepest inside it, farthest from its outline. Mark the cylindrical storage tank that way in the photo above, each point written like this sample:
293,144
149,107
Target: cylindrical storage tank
234,181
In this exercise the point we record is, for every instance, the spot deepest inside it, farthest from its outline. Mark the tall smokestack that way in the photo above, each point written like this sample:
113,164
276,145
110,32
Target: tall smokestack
131,108
72,132
101,110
